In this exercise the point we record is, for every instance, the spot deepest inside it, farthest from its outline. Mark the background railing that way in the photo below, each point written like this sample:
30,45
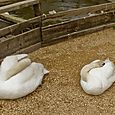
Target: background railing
45,29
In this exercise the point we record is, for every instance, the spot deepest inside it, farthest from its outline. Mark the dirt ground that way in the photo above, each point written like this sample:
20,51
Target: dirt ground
61,93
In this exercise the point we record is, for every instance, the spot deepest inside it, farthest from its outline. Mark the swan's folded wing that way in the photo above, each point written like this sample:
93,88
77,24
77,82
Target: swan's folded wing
91,89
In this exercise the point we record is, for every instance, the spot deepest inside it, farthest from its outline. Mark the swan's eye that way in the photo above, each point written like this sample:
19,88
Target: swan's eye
103,64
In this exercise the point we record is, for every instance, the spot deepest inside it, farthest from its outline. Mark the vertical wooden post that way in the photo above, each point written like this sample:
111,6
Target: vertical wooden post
38,12
37,9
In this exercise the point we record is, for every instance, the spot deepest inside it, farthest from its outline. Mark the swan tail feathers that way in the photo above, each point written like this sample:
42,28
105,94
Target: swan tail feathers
90,89
45,71
84,85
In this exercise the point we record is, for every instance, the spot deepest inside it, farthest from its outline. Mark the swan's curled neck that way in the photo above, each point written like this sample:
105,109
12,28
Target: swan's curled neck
21,65
85,70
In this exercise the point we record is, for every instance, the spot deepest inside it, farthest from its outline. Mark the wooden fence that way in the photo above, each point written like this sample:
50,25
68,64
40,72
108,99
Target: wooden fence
42,30
19,36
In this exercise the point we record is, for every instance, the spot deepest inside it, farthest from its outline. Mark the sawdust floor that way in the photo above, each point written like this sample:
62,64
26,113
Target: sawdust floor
60,93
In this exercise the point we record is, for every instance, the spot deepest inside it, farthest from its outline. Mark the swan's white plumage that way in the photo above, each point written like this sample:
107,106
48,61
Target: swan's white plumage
99,79
22,83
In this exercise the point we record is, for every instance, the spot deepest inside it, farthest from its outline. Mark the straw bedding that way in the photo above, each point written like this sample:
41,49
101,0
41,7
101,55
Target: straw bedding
60,93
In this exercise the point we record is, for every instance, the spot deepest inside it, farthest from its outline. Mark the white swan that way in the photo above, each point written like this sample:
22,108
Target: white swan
97,76
19,77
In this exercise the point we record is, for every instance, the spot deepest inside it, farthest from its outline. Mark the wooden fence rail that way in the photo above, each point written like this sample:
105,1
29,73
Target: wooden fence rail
75,12
67,27
18,5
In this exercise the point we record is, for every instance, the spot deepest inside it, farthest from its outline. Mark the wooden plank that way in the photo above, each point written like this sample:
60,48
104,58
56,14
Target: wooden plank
11,45
4,23
17,28
6,2
11,18
81,11
76,34
67,27
30,49
17,5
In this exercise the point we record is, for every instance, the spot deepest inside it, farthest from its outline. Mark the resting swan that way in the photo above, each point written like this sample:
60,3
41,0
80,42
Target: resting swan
19,77
97,76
